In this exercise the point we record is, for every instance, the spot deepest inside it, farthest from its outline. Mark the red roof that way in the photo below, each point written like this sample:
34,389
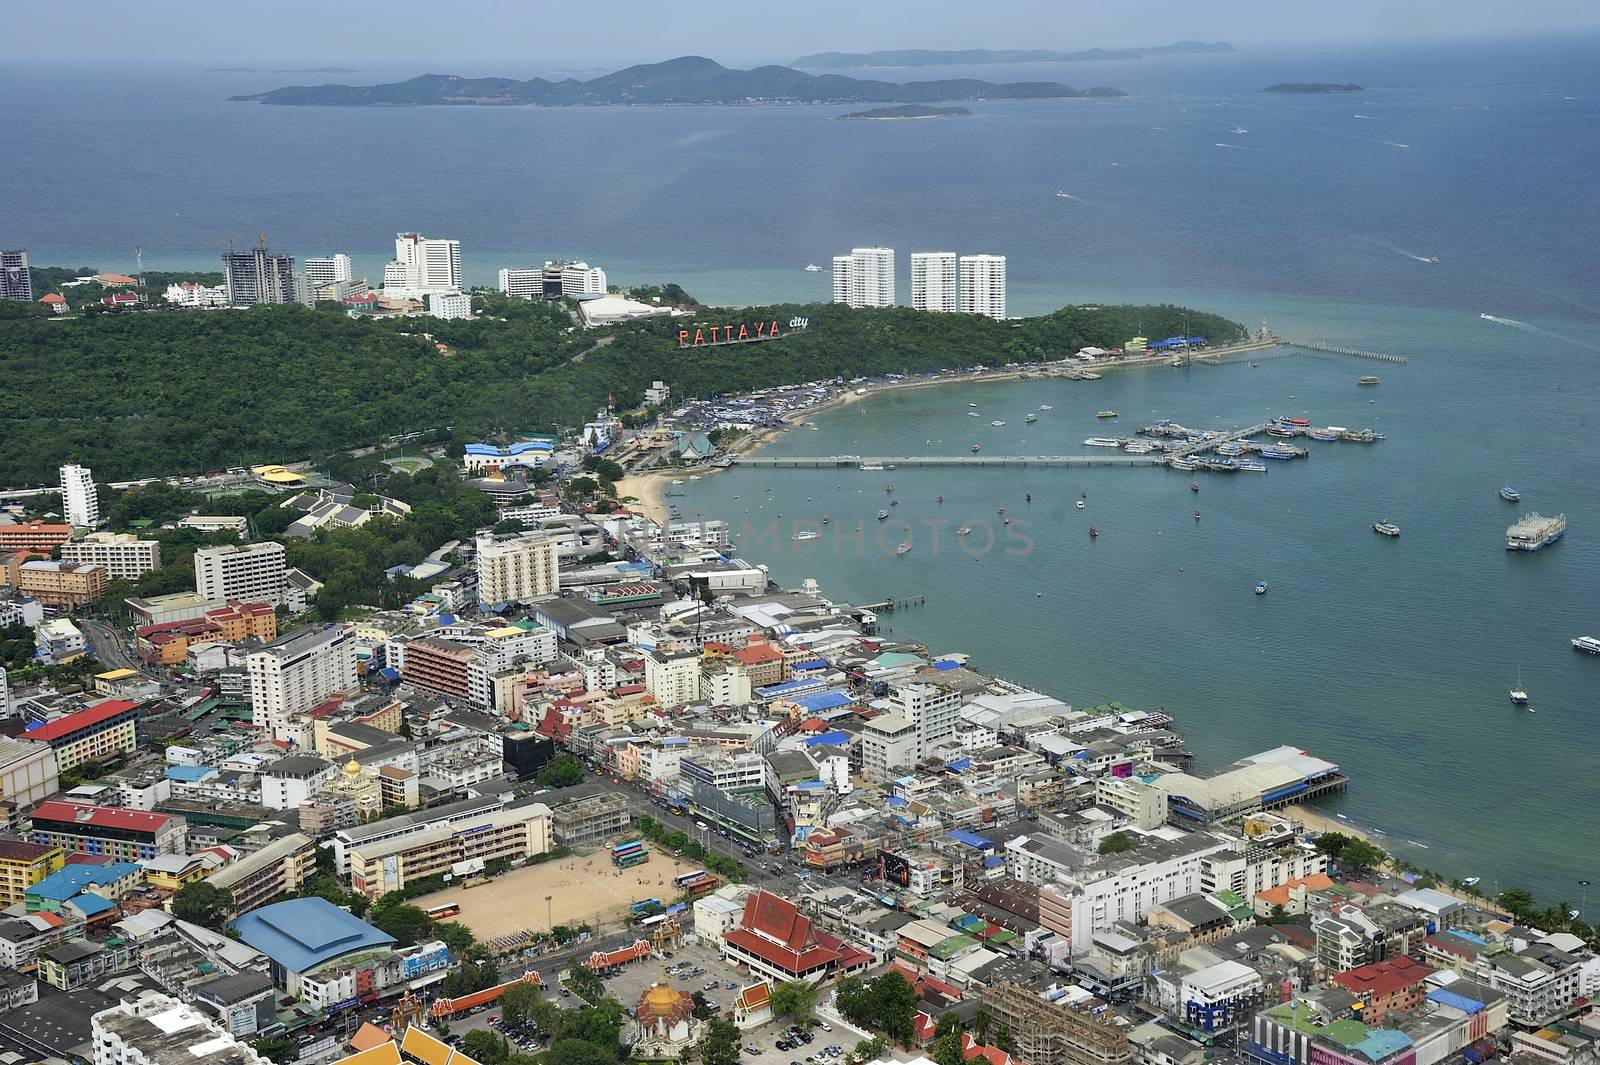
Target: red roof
62,727
774,930
1383,977
99,816
52,297
757,653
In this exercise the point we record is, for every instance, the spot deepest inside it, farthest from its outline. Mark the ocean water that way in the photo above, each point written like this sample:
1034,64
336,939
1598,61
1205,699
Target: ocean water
1390,657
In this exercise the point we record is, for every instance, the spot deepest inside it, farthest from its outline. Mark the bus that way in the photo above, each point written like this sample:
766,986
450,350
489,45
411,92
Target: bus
644,904
684,878
654,920
443,910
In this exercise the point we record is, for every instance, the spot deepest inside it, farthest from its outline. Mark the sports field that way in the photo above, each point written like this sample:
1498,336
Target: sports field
580,889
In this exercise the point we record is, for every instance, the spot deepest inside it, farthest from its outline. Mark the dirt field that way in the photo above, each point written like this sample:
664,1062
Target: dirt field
581,889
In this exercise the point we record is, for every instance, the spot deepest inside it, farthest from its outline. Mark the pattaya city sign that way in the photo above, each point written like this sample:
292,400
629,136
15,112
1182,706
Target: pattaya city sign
744,333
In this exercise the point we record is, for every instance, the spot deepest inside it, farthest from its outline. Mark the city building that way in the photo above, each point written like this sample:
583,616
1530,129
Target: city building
155,1029
864,278
516,567
1048,1031
672,676
279,868
346,839
512,833
983,285
33,536
234,523
29,771
79,501
327,271
16,283
168,644
590,820
450,305
580,279
320,953
68,585
23,865
104,730
933,281
59,640
523,283
250,573
298,672
422,265
123,555
127,835
258,276
778,943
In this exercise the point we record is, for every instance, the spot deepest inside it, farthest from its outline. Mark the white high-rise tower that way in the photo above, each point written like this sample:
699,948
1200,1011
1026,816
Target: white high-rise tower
933,280
983,285
864,278
79,502
422,265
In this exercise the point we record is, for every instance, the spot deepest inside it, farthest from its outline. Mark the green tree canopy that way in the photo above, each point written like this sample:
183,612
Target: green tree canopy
202,904
408,924
563,771
793,998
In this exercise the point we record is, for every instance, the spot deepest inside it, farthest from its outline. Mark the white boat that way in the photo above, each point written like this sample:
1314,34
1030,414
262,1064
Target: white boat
813,268
1046,406
1139,447
1102,441
1519,696
872,467
803,537
963,530
972,404
1031,418
678,481
1590,644
1534,532
1080,504
997,423
972,414
902,549
1468,881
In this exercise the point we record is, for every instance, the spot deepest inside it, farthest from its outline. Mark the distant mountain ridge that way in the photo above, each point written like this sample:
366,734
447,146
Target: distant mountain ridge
685,80
925,57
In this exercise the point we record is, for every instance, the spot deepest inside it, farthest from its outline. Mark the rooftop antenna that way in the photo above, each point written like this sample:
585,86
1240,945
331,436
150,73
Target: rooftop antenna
138,255
261,239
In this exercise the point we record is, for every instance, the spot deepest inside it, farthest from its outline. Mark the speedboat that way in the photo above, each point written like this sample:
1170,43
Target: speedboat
903,548
1105,414
1469,881
976,448
1590,644
1510,495
803,537
997,423
1194,486
813,268
1080,504
963,530
972,414
883,512
1046,406
1387,528
1261,587
1030,419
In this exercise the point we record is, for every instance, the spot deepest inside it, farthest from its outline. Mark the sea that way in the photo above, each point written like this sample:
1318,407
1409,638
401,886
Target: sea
1319,215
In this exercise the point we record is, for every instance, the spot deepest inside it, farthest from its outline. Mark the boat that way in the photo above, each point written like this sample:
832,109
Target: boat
1518,696
903,548
813,268
826,519
1138,447
1197,515
1081,504
803,537
972,414
1535,532
972,404
1509,494
1194,486
1279,452
677,480
939,500
1027,497
1007,520
1030,419
888,488
1102,441
872,467
1387,528
1046,406
1590,644
1105,414
894,502
1261,587
999,510
883,512
1469,881
1230,448
1250,466
1326,436
1093,532
963,530
976,448
1366,380
812,426
997,423
1184,462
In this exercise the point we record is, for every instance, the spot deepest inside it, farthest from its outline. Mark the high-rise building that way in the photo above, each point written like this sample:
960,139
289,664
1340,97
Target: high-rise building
581,279
124,555
15,281
297,673
258,276
79,501
983,285
522,282
326,271
864,278
933,280
422,265
250,573
449,304
516,567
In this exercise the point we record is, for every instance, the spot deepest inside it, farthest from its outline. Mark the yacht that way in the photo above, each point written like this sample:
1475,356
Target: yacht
813,268
1031,418
1387,528
997,423
1102,441
972,414
1469,881
1510,495
1105,414
872,467
1590,644
1518,696
805,537
883,512
1261,587
963,530
1081,504
903,548
1046,406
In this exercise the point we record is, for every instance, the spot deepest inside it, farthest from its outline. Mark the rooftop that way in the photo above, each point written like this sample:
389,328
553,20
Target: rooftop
71,723
300,934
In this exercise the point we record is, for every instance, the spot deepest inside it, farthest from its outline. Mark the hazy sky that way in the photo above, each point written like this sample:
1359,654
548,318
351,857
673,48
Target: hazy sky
472,37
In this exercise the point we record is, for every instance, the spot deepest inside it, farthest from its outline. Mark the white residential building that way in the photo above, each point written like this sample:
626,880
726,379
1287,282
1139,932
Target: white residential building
522,282
327,271
422,265
888,746
122,555
933,711
933,281
864,278
450,305
581,279
79,502
251,573
516,567
983,285
155,1029
672,677
297,673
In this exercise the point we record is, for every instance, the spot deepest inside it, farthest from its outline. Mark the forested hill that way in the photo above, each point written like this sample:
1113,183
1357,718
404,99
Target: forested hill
152,394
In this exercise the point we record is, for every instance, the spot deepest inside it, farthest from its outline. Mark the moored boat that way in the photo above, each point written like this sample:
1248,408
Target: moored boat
872,467
1590,644
883,512
1535,532
804,537
1261,587
1371,380
1105,414
1509,494
976,448
1387,528
1093,532
1102,441
1250,466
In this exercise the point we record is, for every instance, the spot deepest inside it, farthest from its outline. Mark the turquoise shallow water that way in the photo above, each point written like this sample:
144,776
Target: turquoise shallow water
1390,657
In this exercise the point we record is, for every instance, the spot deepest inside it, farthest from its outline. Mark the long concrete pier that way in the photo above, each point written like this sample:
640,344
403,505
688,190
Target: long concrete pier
1334,349
1110,458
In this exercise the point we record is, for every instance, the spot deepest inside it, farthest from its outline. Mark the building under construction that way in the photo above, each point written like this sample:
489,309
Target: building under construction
1047,1033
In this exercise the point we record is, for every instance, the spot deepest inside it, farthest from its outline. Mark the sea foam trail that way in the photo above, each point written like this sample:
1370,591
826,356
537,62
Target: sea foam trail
1395,144
1240,147
1541,330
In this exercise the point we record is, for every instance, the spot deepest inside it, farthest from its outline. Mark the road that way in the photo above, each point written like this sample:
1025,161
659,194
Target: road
107,646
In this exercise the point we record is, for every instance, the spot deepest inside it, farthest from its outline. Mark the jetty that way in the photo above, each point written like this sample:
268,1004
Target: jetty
824,461
1335,349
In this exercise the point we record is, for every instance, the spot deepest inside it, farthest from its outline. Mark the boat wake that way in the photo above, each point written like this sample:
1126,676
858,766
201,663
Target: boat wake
1431,259
1370,118
1395,144
1239,147
1530,327
1062,194
1497,320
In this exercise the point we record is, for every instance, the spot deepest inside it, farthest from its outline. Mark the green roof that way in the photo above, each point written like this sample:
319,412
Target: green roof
949,948
1297,1015
1228,897
1346,1033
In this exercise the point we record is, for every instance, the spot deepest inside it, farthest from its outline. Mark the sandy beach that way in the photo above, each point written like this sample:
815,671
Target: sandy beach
1316,821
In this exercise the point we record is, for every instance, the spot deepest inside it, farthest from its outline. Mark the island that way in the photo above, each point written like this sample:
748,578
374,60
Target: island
685,80
885,114
1311,88
925,57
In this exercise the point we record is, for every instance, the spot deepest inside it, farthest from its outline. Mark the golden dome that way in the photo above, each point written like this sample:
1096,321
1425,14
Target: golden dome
661,997
352,768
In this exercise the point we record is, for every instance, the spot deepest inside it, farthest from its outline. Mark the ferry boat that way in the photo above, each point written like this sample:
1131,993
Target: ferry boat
813,268
1105,414
872,467
883,512
1326,436
1261,587
1371,380
1359,436
1138,447
1509,494
1250,466
1534,532
1590,644
976,448
997,423
1281,450
1102,441
1230,448
1387,528
903,548
1030,419
803,537
1184,462
1046,406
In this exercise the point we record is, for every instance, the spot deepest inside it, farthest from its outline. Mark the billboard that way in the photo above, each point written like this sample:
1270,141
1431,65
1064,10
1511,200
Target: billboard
427,961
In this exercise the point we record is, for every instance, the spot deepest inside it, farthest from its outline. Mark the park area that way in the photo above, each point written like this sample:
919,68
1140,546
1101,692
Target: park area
581,889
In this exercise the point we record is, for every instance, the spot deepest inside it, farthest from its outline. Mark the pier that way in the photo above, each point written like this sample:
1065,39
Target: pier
1334,349
1111,458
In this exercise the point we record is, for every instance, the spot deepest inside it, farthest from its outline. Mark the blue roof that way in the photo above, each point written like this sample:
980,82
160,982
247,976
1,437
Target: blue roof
519,448
1447,997
90,904
960,765
787,686
809,665
64,883
188,773
947,664
993,861
389,673
1381,1042
832,739
896,800
828,700
971,839
300,934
